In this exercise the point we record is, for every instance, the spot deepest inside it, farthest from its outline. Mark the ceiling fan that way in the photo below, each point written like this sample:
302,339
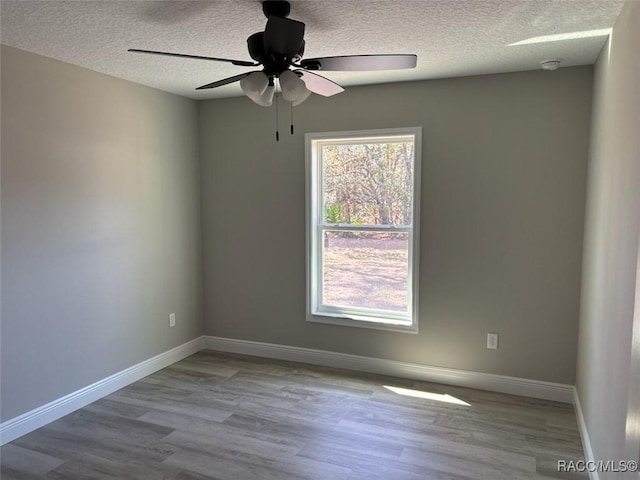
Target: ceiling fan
279,49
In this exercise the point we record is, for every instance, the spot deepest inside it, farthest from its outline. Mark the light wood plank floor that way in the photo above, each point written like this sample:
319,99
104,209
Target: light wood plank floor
233,417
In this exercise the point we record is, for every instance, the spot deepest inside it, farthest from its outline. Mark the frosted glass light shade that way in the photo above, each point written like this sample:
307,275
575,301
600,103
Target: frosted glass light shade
254,85
293,88
266,99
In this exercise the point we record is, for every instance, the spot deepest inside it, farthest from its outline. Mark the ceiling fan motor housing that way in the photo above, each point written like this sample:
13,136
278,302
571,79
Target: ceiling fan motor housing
255,45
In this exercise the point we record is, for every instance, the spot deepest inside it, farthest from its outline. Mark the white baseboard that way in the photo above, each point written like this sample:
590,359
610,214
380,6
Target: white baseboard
484,381
584,434
27,422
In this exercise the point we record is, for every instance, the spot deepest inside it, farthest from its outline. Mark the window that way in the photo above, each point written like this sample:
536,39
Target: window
362,228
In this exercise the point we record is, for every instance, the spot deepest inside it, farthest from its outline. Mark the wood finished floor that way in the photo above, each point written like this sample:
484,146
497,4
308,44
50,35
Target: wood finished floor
233,417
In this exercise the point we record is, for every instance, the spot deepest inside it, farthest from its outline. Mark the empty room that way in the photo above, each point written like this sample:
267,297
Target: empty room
340,240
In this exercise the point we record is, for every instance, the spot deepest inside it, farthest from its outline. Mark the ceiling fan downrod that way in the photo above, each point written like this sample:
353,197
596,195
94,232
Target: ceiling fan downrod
276,8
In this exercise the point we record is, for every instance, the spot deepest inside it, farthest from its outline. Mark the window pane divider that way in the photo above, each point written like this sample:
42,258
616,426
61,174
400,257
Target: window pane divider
364,228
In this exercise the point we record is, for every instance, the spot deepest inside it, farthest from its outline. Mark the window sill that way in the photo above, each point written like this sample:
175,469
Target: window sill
362,322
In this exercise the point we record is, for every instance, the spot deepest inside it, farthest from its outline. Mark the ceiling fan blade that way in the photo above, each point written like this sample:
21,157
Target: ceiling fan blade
283,37
360,62
224,81
319,84
240,63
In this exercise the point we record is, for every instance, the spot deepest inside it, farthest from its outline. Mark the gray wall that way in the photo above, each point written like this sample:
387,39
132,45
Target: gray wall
607,361
503,188
100,227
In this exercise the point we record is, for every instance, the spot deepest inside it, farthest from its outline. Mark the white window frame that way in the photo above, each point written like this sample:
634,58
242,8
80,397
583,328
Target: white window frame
352,316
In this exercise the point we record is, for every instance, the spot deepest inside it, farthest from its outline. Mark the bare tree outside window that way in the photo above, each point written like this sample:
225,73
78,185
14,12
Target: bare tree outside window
369,184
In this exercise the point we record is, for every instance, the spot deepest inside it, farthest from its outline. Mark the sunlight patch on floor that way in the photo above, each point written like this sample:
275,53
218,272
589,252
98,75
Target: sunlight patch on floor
438,397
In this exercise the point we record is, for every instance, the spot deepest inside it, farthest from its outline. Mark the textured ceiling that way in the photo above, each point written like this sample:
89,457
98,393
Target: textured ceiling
451,37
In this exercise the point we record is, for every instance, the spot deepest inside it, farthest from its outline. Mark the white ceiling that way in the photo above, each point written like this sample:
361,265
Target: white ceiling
451,37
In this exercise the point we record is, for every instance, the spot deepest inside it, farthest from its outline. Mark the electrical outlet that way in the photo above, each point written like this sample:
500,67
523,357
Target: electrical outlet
492,341
172,320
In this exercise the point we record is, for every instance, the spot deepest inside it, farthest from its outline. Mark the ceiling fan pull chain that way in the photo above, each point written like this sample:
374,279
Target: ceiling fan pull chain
291,117
277,119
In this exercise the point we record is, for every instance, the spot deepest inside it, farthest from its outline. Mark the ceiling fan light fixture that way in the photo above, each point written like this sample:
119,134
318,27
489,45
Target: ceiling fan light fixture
293,87
266,99
254,85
